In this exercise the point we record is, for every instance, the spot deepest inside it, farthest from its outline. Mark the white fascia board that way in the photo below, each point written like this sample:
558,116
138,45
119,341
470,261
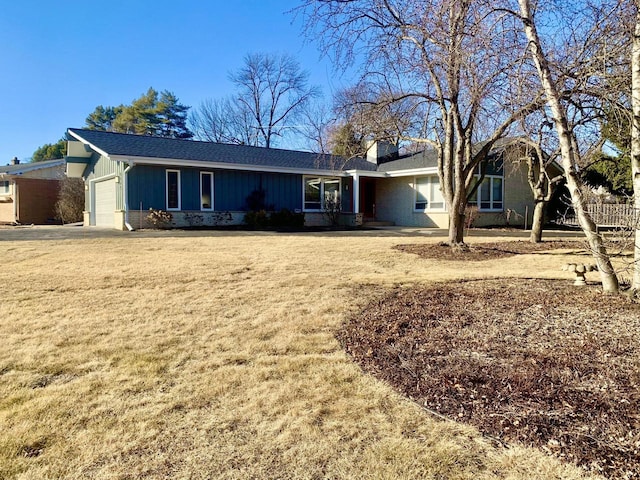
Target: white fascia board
171,162
413,172
366,173
93,147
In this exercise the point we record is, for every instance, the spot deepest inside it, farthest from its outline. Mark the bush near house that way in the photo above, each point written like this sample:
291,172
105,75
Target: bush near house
70,204
283,218
159,218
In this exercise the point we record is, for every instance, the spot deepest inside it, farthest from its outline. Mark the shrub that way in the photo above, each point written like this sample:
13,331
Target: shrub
159,218
287,218
257,219
332,209
282,218
70,204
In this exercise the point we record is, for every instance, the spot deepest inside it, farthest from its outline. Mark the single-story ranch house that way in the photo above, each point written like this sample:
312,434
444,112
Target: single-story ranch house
126,175
29,191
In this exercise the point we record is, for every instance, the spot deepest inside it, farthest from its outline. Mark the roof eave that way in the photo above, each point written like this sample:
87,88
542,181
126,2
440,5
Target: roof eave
223,166
366,173
91,145
32,167
413,171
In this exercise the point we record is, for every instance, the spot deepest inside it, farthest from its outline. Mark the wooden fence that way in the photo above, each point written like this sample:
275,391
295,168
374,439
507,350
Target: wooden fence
608,215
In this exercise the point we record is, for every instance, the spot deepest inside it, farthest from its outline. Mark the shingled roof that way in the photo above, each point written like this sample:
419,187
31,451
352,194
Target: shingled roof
142,146
424,159
22,168
429,158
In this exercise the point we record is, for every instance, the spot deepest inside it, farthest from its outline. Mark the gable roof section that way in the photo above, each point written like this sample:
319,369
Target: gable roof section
428,159
424,159
30,167
131,147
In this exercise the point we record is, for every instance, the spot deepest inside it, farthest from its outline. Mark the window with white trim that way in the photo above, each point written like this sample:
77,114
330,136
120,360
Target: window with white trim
319,192
428,194
206,191
173,189
5,188
490,194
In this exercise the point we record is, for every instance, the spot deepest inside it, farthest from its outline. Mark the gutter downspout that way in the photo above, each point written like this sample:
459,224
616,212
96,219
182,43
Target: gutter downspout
125,185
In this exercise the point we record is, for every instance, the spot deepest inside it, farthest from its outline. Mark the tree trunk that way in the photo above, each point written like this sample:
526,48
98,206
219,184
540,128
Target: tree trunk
456,229
635,141
568,153
456,218
538,222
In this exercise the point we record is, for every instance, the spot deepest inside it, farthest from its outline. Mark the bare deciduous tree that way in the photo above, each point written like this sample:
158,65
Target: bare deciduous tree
635,137
451,61
223,121
70,203
272,94
580,49
315,129
542,181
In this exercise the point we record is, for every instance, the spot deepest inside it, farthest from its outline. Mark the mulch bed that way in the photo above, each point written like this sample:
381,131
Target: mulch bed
488,251
539,362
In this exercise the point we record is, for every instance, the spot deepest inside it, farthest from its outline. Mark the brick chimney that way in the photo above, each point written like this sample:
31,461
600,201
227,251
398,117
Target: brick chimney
15,161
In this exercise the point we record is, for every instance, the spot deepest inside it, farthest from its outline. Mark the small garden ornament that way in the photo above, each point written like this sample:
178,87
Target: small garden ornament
579,269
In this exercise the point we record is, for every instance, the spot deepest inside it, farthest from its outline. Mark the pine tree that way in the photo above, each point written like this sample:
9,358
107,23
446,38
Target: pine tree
50,151
159,115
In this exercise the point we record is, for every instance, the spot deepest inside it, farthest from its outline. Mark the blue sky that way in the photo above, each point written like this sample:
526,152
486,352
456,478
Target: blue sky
59,60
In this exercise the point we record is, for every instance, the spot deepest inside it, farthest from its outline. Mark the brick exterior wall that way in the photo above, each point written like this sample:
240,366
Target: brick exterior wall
6,211
36,200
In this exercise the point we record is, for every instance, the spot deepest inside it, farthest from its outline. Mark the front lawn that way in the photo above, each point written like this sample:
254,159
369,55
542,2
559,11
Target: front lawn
214,355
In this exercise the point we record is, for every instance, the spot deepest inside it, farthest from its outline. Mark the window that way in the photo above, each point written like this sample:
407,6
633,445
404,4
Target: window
489,194
173,190
428,194
4,188
206,191
320,193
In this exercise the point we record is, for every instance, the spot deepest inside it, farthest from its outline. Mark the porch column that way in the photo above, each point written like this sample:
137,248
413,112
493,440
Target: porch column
356,193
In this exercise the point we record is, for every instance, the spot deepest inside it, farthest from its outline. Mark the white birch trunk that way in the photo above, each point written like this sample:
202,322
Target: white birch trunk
635,140
569,161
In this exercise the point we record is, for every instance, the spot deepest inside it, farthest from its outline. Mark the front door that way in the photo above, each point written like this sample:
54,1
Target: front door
368,198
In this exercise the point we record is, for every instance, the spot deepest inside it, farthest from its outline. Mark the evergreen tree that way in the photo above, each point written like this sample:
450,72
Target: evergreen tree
102,118
159,115
50,151
173,117
614,171
345,142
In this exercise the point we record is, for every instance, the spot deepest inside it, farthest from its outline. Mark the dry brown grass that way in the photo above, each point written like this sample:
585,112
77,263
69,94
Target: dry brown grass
213,355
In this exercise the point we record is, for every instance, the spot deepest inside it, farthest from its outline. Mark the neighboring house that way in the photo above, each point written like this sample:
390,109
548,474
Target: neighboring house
29,191
126,175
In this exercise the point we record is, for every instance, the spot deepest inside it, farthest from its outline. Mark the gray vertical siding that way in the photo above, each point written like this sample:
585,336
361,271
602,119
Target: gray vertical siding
99,167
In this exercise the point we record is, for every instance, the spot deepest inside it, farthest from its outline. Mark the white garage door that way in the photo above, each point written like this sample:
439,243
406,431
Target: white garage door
105,203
